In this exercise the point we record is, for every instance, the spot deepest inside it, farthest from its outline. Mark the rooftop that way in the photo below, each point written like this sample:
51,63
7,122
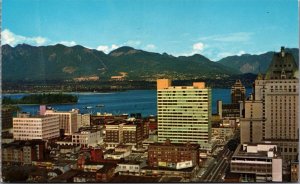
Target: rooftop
66,176
240,153
169,144
130,162
190,169
135,179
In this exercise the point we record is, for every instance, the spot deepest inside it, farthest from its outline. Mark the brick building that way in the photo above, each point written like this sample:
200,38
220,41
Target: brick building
129,133
173,155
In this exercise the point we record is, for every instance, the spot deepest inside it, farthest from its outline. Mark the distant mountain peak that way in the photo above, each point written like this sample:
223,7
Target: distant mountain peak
125,50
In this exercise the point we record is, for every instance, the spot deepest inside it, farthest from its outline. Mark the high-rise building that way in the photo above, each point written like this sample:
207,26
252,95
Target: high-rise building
272,113
67,120
184,113
237,92
36,127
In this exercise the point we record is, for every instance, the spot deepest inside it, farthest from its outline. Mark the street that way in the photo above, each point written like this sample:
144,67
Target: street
216,170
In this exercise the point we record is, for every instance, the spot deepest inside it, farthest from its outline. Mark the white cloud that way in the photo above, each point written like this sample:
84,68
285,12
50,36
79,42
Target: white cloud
150,47
106,48
198,46
68,43
12,39
132,43
114,46
232,37
103,48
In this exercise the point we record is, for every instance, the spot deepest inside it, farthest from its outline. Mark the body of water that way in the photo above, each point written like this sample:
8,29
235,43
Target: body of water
132,101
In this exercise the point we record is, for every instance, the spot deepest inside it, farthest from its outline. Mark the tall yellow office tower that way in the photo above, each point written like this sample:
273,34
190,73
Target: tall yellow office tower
184,113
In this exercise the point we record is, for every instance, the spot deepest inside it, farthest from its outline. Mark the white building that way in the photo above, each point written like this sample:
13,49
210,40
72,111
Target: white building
130,168
184,113
87,138
257,162
67,120
83,120
37,127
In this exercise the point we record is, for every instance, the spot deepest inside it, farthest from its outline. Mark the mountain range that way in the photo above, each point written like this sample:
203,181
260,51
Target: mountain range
59,62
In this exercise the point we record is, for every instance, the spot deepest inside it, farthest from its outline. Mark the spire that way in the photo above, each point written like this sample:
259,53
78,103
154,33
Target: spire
282,51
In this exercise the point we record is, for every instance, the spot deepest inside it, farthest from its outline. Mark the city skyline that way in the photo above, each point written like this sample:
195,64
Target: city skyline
214,29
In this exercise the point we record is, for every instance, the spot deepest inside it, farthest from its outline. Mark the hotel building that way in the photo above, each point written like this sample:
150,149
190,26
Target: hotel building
272,112
36,127
184,113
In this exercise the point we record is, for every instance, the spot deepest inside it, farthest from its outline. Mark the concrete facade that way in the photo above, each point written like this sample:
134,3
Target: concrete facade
184,113
37,127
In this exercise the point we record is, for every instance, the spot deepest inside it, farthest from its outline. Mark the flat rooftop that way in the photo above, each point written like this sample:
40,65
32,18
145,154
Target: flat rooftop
135,179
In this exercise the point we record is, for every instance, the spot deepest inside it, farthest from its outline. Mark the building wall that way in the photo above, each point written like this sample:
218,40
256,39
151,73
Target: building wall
67,120
83,120
184,113
295,172
44,127
6,118
131,133
279,99
260,160
281,103
169,155
22,152
238,92
87,138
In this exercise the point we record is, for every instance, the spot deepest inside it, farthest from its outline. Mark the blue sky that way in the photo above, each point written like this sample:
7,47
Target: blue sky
213,28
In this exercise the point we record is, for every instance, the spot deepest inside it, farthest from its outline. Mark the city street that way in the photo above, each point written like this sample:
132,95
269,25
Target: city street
216,170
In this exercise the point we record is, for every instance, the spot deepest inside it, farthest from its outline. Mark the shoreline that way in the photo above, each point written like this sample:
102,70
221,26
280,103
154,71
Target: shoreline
88,92
43,104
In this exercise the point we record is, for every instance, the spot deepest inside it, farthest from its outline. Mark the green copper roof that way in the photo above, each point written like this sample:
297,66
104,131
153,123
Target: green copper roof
283,66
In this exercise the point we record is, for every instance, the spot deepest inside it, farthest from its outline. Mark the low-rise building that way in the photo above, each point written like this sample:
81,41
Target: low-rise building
129,133
295,172
130,167
106,173
174,155
66,177
119,152
85,177
87,138
222,134
187,173
257,162
23,152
